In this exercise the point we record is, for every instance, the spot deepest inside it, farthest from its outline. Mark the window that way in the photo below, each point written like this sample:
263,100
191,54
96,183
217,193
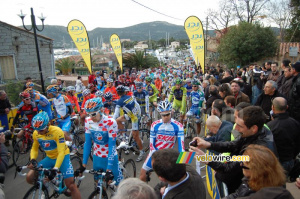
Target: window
7,68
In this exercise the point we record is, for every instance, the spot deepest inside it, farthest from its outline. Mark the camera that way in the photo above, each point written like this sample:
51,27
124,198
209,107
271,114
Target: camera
193,143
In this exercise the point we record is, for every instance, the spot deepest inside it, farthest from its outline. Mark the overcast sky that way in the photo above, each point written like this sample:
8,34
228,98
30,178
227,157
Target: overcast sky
104,13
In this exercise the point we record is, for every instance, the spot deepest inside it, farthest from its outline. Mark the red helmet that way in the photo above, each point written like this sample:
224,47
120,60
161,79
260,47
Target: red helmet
24,95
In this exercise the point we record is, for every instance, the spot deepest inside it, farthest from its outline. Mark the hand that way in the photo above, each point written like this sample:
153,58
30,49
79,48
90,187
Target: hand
7,110
162,190
32,164
2,138
109,176
297,183
202,143
79,171
52,173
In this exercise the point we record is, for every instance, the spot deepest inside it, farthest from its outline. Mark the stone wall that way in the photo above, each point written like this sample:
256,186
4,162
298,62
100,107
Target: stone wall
20,43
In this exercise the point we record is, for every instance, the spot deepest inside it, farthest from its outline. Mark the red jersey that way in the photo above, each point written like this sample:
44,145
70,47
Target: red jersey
113,91
74,102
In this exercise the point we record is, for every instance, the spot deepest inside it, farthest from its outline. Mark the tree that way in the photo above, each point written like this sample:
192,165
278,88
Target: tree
139,60
65,65
94,61
293,32
246,43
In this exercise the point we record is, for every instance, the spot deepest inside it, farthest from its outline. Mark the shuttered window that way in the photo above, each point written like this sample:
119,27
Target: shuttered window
7,68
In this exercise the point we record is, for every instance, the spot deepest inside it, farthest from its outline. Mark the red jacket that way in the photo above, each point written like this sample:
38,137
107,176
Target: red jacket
91,79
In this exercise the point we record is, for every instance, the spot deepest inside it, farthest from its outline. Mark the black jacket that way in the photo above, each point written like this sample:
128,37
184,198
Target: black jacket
210,101
265,102
243,190
193,187
271,193
286,136
3,105
226,80
231,172
294,99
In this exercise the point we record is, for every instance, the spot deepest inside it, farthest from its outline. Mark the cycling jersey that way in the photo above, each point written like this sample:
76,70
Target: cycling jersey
29,110
43,104
164,136
142,99
60,104
188,89
109,107
197,99
74,102
158,83
130,107
53,143
179,94
113,91
153,92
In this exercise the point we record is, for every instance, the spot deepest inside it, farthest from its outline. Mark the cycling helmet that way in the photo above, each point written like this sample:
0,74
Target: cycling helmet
110,80
70,88
93,105
188,80
52,89
86,92
139,84
29,84
99,93
121,88
149,79
195,82
108,96
127,88
28,90
164,106
178,81
40,121
24,95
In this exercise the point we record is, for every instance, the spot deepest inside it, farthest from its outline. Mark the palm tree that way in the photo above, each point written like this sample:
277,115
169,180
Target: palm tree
139,60
65,65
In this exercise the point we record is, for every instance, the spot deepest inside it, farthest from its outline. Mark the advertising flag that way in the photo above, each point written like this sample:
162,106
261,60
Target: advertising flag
80,37
116,46
194,30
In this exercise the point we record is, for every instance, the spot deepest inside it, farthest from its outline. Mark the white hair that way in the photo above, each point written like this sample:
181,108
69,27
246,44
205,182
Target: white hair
213,121
134,188
53,81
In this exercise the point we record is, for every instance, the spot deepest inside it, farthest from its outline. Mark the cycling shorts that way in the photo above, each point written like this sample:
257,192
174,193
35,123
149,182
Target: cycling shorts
65,124
66,167
177,105
147,164
101,163
134,123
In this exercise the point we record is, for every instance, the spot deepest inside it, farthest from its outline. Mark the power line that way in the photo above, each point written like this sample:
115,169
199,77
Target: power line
156,11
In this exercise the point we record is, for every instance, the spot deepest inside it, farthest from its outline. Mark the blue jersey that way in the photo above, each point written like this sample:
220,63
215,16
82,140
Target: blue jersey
188,89
130,107
197,98
141,97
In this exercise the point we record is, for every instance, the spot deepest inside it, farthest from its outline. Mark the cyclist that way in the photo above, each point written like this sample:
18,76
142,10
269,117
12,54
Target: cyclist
86,96
27,108
62,109
110,88
131,111
163,134
100,95
197,99
92,88
51,139
73,99
165,88
158,83
31,85
179,94
142,98
109,104
41,101
121,81
102,130
152,91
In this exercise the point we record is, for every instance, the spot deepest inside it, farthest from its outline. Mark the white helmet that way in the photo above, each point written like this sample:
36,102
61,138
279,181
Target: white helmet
70,88
86,92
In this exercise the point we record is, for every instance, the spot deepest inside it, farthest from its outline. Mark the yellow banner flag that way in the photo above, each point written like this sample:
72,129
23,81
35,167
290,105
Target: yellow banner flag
194,30
116,46
80,37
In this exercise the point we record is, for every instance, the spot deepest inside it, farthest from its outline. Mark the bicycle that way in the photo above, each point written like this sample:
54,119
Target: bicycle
77,137
189,131
43,186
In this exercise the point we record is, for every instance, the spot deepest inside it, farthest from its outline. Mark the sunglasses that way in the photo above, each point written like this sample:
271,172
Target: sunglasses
195,86
138,87
26,99
243,166
165,115
93,114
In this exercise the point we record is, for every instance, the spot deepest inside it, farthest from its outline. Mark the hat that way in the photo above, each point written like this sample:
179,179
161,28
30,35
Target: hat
296,66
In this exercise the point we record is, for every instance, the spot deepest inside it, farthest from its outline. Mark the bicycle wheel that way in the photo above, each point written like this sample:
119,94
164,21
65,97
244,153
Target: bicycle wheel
20,156
129,169
145,137
189,135
10,159
33,193
76,162
79,143
95,194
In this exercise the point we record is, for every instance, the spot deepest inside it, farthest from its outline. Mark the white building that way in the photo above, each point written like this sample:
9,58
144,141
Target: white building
175,44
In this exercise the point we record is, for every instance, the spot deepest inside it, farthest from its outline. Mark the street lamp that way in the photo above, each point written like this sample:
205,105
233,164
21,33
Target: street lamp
35,28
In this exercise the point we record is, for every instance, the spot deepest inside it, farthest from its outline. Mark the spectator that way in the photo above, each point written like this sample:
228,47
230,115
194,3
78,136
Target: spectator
249,123
286,133
281,79
265,99
224,112
177,180
53,82
213,95
271,193
287,82
246,89
224,90
79,85
230,101
275,72
134,188
4,109
92,77
27,79
220,130
262,171
294,95
3,164
267,68
60,83
227,78
205,85
236,85
234,133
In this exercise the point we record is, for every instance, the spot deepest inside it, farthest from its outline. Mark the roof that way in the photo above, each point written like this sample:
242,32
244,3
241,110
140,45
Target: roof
285,47
21,29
